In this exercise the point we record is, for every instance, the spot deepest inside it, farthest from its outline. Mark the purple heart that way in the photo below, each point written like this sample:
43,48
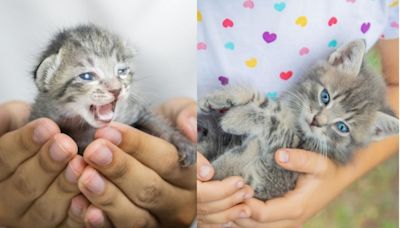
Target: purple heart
224,80
365,27
269,37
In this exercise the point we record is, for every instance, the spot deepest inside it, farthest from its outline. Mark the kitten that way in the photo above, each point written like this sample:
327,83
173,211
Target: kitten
86,79
337,107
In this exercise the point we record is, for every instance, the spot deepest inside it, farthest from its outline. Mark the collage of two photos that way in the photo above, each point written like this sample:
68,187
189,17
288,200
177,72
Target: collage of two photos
244,113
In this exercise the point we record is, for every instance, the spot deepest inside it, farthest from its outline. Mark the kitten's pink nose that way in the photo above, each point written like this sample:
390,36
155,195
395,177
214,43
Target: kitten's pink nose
115,92
315,122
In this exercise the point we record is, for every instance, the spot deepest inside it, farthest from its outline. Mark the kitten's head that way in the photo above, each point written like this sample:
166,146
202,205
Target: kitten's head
87,70
341,104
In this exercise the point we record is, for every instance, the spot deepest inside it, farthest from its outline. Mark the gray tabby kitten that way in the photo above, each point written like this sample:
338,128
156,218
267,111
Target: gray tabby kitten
337,107
86,79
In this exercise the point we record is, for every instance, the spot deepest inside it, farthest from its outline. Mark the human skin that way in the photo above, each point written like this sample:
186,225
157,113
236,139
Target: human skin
322,180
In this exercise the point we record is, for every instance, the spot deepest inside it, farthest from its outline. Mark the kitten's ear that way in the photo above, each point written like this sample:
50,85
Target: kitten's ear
46,70
349,57
384,125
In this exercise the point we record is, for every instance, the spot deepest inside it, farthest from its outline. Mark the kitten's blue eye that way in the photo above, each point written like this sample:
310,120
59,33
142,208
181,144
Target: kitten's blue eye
342,127
123,72
325,98
87,76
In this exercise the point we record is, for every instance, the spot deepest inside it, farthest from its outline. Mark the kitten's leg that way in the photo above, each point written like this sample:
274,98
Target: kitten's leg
230,97
156,126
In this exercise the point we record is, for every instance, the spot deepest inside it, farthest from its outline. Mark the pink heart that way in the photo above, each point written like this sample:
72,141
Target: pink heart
248,4
201,46
286,75
227,23
394,25
351,1
304,51
269,37
223,80
332,21
365,27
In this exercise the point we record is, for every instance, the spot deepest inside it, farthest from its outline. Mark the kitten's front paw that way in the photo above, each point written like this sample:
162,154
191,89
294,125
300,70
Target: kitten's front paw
186,149
215,102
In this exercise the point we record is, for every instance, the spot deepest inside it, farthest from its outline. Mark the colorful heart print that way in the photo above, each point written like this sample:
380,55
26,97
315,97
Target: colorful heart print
332,43
332,21
280,6
249,4
201,46
286,75
199,16
272,95
302,21
251,63
269,37
223,80
227,23
229,45
365,27
304,51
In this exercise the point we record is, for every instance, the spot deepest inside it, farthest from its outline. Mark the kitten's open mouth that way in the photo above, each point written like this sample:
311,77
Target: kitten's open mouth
103,113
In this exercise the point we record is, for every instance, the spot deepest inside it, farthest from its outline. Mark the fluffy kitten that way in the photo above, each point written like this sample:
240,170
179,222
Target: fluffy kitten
86,79
337,107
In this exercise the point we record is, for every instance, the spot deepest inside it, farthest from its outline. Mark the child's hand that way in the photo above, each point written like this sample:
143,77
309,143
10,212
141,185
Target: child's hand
219,202
321,182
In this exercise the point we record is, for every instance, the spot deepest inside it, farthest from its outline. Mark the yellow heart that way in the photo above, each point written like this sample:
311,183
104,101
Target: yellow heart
199,16
394,3
251,63
301,21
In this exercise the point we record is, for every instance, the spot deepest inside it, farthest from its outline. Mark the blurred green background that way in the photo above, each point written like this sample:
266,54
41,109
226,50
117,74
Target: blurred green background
370,202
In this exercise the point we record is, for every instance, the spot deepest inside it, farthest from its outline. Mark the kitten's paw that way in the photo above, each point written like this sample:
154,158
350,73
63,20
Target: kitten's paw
186,150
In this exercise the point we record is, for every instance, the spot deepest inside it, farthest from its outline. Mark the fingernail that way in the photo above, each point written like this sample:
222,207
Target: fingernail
96,218
74,169
40,134
102,156
243,214
76,208
112,134
192,122
58,150
283,156
239,184
93,181
205,171
248,195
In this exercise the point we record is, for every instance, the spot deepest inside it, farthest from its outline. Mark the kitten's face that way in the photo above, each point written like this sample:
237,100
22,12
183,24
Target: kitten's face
92,86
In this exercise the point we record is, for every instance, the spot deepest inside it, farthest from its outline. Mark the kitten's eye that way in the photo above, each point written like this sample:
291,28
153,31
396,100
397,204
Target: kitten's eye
123,72
325,98
88,76
342,127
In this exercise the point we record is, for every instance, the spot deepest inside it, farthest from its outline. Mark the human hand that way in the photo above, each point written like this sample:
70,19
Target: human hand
220,202
320,183
34,173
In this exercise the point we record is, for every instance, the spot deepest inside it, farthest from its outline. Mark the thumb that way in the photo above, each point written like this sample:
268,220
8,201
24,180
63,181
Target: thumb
303,161
204,169
187,121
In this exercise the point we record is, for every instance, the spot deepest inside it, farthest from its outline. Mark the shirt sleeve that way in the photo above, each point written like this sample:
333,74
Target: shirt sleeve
391,30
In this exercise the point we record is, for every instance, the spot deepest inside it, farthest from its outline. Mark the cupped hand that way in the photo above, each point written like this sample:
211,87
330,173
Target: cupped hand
220,202
321,181
39,170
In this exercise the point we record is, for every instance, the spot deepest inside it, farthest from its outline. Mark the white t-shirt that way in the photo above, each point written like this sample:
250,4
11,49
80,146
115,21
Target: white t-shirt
269,44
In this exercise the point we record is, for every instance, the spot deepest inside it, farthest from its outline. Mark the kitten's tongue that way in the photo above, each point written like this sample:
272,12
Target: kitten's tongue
105,112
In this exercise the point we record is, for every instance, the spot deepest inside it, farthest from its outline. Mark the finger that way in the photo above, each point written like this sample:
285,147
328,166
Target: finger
231,214
13,115
34,176
276,209
141,185
21,144
228,202
186,121
254,224
303,161
95,218
107,197
204,169
151,151
76,213
62,190
217,190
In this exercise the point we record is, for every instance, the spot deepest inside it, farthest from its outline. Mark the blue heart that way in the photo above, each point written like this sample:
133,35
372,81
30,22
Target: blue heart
229,45
332,43
280,6
272,95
